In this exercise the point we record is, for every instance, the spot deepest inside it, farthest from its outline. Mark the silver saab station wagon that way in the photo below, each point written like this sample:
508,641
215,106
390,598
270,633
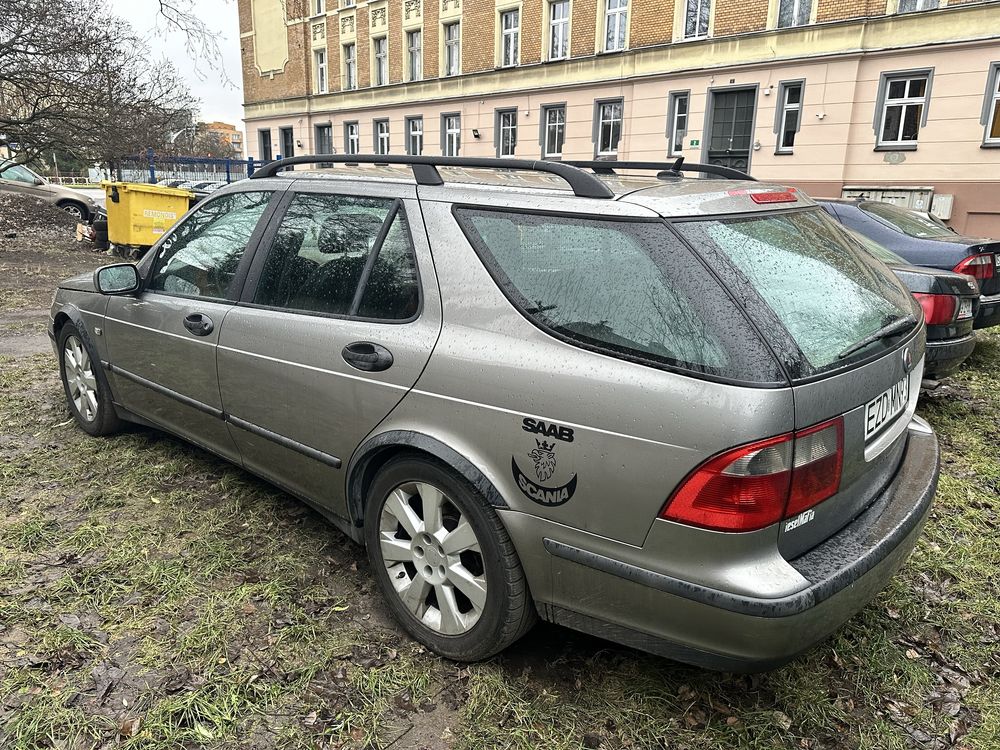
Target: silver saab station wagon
676,413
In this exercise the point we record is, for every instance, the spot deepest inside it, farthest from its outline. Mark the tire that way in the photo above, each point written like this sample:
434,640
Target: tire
490,607
77,210
87,393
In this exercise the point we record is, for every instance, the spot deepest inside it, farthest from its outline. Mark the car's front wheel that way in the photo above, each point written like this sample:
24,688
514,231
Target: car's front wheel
76,210
444,561
87,393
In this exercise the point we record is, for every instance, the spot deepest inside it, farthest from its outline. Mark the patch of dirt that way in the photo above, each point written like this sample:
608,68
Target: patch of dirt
26,217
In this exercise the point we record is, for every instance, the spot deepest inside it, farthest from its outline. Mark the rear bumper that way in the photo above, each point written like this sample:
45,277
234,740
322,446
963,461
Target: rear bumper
989,312
733,632
944,357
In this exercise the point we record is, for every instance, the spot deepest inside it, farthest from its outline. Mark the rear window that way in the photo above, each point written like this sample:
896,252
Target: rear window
912,223
626,288
822,288
881,252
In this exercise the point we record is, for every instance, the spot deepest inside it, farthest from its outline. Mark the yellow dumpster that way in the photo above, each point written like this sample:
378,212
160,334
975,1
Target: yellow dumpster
139,214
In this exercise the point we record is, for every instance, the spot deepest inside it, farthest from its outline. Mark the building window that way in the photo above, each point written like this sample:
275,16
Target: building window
908,6
554,131
558,29
615,25
352,137
451,134
346,3
696,17
677,122
322,80
266,154
609,127
324,139
381,131
510,34
505,128
414,56
793,13
991,107
902,108
350,66
381,47
452,49
789,118
414,136
319,7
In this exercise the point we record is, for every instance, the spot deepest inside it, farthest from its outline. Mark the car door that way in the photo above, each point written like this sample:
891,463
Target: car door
337,320
162,344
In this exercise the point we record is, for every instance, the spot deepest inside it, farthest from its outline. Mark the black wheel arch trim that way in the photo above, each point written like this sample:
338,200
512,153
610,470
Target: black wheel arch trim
377,445
76,318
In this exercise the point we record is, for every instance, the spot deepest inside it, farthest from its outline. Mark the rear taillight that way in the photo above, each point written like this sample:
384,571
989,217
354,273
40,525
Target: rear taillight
756,485
938,308
978,266
768,196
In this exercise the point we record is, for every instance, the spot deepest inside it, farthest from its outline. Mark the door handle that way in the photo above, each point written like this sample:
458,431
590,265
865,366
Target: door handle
364,355
198,324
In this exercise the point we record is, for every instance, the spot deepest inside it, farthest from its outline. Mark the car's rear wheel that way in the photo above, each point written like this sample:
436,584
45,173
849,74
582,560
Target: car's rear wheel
76,210
444,561
87,393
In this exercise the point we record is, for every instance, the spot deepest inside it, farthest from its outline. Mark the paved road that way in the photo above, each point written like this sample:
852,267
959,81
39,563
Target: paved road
97,195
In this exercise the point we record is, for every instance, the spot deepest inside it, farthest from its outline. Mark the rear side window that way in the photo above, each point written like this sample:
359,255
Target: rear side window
912,223
629,289
823,289
341,255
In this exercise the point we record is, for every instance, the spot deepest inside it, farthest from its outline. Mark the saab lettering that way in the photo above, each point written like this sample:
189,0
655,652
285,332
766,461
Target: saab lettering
538,427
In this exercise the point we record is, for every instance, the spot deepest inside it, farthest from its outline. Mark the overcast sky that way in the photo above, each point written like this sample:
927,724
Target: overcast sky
219,100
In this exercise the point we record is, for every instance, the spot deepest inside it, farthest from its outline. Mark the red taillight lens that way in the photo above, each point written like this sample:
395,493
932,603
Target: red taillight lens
938,308
978,266
785,196
756,485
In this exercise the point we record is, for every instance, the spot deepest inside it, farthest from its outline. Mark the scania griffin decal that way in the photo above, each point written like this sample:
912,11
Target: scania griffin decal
544,458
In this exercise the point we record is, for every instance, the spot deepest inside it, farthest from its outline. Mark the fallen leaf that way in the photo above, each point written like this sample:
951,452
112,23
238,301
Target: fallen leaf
130,727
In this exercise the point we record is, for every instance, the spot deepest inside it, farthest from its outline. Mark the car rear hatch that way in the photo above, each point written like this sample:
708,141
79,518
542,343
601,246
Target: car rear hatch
851,339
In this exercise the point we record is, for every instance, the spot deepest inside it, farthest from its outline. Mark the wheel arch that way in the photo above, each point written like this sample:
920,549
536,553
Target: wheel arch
71,314
378,450
63,202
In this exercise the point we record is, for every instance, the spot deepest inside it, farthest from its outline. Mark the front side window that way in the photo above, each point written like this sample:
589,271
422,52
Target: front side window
558,29
381,46
201,256
555,131
627,289
414,56
452,49
506,132
381,136
908,6
793,13
321,259
903,106
697,14
677,122
991,106
510,37
352,137
609,128
266,154
789,115
451,134
350,66
615,25
322,79
18,173
414,136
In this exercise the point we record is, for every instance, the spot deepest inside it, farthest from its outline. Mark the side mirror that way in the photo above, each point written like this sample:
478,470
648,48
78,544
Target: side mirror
121,278
39,181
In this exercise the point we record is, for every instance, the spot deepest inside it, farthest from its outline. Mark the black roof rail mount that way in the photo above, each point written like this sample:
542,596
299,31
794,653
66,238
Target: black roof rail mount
671,169
584,184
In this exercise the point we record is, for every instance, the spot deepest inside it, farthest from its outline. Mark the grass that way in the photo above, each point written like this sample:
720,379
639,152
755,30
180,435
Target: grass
154,597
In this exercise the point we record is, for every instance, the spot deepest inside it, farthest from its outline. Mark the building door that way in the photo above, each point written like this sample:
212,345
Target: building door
287,143
731,128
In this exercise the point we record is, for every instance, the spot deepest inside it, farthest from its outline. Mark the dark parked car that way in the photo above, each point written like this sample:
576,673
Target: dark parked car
924,242
950,302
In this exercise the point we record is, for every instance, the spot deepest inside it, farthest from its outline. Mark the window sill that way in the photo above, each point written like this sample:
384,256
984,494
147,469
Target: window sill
990,144
897,147
784,152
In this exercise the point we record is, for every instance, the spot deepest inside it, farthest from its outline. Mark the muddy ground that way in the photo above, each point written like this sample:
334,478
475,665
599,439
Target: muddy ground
152,596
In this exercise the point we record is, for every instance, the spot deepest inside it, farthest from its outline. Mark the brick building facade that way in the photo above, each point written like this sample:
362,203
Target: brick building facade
837,97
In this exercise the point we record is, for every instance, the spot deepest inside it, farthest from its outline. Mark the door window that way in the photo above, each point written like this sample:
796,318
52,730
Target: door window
201,256
342,255
17,173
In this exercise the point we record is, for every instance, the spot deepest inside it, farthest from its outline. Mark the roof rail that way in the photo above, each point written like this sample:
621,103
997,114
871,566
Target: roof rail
584,184
674,169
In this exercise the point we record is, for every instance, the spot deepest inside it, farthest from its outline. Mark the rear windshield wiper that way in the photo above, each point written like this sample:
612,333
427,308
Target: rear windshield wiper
893,328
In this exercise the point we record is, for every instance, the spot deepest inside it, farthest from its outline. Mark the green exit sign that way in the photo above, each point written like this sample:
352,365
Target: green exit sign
695,142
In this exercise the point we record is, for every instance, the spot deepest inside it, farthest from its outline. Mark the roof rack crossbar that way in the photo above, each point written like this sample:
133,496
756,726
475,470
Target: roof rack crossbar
674,168
584,184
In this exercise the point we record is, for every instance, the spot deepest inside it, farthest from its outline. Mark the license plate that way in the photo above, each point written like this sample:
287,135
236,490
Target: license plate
964,309
885,407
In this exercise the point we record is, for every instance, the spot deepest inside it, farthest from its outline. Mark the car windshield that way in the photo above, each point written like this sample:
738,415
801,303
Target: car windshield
912,223
823,289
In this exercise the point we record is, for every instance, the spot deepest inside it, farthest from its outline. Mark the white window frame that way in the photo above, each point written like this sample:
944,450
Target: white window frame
381,137
451,131
904,103
550,124
801,13
322,70
674,128
352,137
510,38
506,122
786,107
346,3
452,48
991,105
602,118
319,7
615,19
414,133
350,66
699,32
918,6
381,60
414,55
558,29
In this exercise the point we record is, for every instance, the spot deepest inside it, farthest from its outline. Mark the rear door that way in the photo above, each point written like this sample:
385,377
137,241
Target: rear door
337,320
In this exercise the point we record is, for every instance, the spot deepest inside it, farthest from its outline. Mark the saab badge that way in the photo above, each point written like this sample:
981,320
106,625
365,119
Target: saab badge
544,459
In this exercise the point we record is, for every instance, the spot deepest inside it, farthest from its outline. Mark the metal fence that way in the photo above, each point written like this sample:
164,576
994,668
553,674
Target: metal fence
153,168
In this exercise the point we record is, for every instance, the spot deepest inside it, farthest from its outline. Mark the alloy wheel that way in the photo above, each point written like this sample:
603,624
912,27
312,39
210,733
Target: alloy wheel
80,380
73,210
433,558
